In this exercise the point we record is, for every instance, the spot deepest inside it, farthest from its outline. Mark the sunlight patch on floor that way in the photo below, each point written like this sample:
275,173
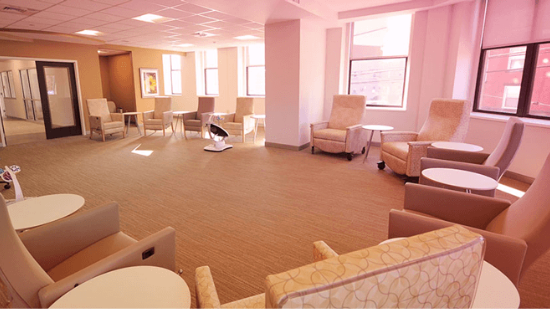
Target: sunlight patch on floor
510,190
144,153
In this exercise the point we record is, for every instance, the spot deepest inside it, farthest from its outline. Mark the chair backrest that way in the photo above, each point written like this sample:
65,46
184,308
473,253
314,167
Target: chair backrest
206,105
411,268
347,110
112,106
447,121
245,106
508,145
18,269
99,108
529,217
162,104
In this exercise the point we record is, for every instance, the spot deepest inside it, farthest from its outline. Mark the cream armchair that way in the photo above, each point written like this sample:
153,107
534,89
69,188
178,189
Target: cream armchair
343,132
102,120
363,278
159,118
196,121
40,265
240,122
492,165
447,121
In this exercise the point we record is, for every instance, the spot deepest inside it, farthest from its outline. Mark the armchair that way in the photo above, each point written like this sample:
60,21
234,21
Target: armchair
48,261
492,165
102,121
447,121
197,120
161,117
343,132
410,269
240,122
516,234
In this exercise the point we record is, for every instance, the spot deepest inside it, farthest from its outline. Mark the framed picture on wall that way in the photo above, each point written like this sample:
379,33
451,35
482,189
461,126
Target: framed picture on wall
149,82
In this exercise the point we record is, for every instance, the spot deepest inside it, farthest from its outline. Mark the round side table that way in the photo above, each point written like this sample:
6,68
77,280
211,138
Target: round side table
461,179
374,128
457,146
258,118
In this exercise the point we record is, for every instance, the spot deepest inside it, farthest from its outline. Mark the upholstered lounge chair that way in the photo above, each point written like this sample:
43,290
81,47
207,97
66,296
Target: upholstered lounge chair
40,265
516,234
159,118
492,165
343,131
196,121
240,122
363,278
447,121
102,121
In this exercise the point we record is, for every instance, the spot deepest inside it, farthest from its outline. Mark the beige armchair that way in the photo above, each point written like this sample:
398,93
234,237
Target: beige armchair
447,121
516,234
240,122
364,278
102,121
161,117
40,265
343,132
492,165
196,121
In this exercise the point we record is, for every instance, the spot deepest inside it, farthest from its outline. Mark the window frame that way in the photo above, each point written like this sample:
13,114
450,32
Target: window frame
248,94
527,81
172,93
383,58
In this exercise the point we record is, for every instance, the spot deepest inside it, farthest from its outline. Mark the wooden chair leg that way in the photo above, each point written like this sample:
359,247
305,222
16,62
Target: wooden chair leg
244,137
163,131
91,133
123,133
103,135
172,124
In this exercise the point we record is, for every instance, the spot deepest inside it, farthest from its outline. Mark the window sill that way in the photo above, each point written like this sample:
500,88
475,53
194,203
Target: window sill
393,109
502,118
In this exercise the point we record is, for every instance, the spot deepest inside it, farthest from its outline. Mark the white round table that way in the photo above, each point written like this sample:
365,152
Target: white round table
135,115
494,289
460,179
457,146
179,115
258,118
37,211
373,128
131,287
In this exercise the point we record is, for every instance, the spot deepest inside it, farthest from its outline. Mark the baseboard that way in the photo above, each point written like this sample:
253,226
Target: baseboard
519,177
284,146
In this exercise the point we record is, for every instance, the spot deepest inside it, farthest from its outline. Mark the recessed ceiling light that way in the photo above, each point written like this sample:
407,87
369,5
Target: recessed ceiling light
89,32
185,45
153,18
246,37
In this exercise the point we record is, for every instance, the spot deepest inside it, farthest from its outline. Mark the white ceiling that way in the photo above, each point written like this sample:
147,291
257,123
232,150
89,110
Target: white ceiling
220,20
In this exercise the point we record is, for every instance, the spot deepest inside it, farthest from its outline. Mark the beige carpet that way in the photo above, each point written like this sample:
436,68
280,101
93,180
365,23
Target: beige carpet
247,212
19,131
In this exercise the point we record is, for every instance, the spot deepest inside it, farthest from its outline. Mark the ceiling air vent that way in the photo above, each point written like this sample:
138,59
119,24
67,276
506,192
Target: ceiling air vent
200,34
17,10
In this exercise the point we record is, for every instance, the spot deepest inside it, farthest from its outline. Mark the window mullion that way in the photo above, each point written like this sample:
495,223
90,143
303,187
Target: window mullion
527,80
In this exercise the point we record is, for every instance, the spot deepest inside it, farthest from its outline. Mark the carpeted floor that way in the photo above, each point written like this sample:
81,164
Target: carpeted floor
247,212
21,131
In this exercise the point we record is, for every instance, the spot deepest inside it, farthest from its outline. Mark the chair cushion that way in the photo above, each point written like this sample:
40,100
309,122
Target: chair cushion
192,123
206,105
256,301
232,126
330,134
347,110
113,125
99,108
245,106
153,121
397,149
91,255
162,104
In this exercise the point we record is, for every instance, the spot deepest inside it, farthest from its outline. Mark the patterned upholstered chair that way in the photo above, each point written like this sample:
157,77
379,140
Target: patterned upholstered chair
447,121
102,121
197,120
516,234
46,262
492,165
161,117
240,122
364,278
343,131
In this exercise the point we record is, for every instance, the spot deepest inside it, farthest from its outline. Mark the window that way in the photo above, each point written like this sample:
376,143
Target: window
171,65
515,80
211,86
378,59
255,70
8,87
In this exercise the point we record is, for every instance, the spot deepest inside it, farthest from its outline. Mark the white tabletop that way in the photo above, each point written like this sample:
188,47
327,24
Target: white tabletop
131,113
460,178
37,211
131,287
182,112
376,127
258,116
457,146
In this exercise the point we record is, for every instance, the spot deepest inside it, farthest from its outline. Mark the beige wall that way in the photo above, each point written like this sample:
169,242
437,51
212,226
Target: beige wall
105,77
121,81
16,107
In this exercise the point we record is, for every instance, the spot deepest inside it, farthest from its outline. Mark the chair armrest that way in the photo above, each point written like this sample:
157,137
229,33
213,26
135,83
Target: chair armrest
54,242
227,118
188,116
489,171
148,115
504,252
96,123
163,242
459,207
167,117
117,117
457,155
205,289
398,136
321,251
204,117
318,125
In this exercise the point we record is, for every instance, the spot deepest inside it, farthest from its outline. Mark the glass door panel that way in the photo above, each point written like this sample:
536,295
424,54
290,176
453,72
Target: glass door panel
35,93
27,97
